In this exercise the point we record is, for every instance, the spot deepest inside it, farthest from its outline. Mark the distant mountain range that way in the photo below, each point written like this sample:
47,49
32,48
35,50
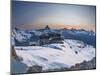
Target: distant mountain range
25,37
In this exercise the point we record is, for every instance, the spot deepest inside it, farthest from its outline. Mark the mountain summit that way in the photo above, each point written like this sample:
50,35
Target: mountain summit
47,27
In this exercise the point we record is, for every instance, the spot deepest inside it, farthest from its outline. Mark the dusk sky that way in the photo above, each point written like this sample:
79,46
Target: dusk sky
34,15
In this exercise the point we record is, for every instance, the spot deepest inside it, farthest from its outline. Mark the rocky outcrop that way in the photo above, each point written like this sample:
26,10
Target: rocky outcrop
34,69
13,52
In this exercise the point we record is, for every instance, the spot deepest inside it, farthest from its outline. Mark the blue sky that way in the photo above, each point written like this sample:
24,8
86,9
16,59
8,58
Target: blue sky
36,15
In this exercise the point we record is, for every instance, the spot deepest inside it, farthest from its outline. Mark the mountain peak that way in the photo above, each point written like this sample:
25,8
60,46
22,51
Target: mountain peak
47,27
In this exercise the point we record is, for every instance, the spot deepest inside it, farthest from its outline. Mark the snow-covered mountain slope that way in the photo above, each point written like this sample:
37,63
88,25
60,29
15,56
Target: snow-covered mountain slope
21,35
24,37
56,56
88,37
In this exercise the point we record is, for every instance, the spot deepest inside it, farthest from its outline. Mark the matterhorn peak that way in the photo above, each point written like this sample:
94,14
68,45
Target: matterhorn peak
47,27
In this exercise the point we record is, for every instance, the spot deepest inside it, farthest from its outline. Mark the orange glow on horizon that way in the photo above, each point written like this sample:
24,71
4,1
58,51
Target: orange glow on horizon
56,26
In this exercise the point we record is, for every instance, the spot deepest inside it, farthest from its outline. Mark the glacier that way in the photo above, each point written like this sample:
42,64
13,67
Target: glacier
56,56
